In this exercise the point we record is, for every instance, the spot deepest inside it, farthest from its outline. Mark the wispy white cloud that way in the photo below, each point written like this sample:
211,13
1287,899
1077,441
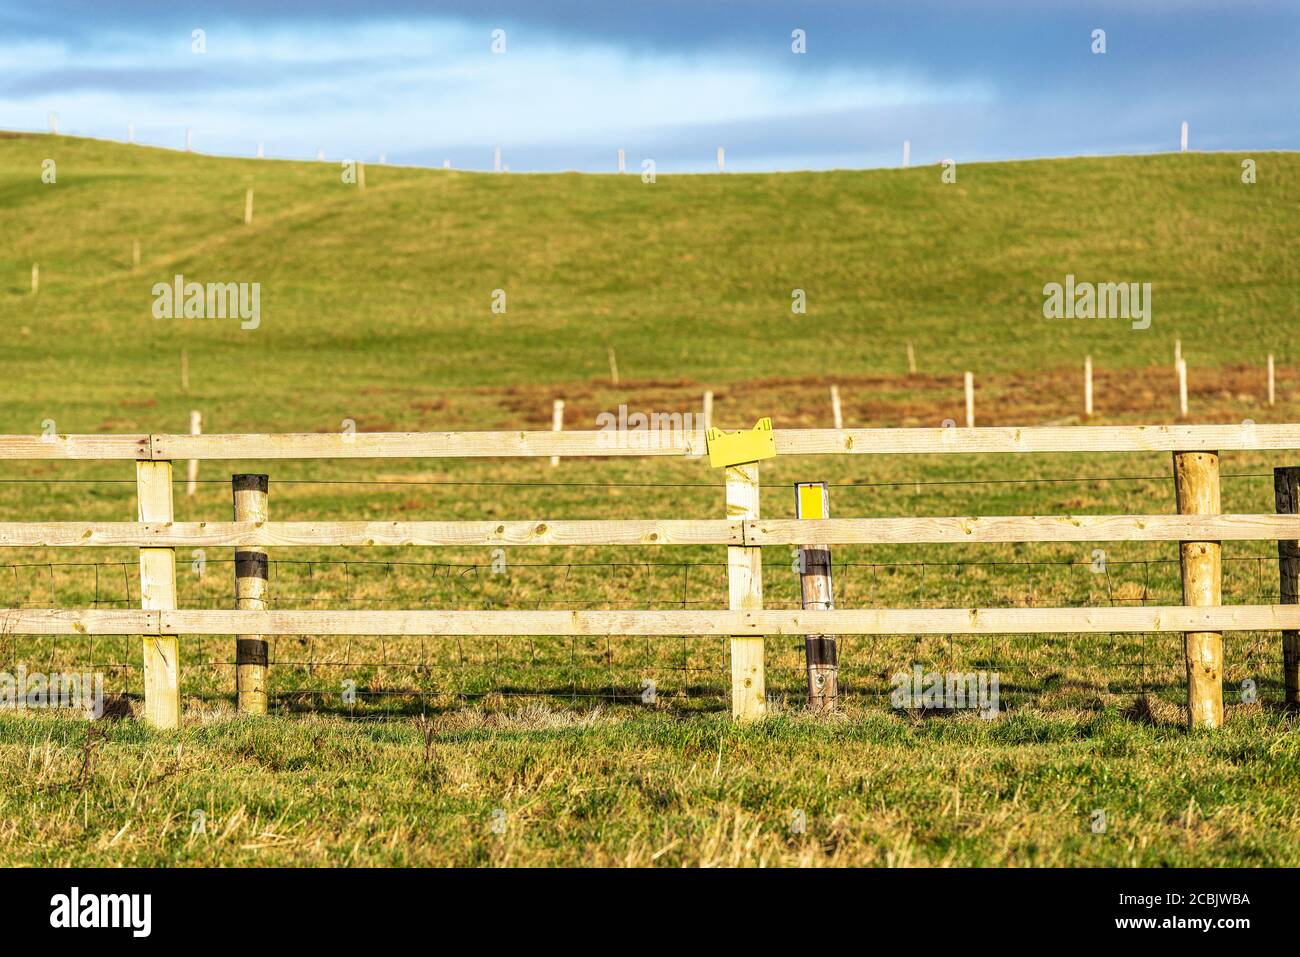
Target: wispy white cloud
412,85
578,81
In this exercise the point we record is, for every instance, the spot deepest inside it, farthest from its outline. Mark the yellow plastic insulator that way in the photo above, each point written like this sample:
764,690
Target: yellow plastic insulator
811,500
737,448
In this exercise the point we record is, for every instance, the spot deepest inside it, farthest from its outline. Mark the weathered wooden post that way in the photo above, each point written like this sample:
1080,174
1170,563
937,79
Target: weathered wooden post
970,400
251,584
837,416
162,695
745,592
812,501
1196,485
248,206
1272,381
1286,493
708,410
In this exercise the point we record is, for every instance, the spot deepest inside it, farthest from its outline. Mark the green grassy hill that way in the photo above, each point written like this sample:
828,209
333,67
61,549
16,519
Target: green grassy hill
377,307
388,291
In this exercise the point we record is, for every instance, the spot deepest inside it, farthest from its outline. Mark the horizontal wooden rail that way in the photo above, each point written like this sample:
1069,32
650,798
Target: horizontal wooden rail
266,534
869,621
663,442
1023,528
86,447
841,531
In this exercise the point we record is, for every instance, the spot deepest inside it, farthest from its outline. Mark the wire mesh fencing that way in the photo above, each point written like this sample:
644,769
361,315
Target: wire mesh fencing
366,676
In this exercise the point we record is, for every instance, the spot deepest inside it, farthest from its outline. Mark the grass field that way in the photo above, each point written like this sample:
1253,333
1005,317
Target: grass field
376,307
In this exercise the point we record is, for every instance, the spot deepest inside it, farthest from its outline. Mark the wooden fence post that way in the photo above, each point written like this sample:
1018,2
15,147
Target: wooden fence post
1182,387
812,501
1286,493
162,694
192,469
1087,387
970,400
745,592
911,360
1196,484
837,416
248,206
1272,386
708,410
557,425
251,585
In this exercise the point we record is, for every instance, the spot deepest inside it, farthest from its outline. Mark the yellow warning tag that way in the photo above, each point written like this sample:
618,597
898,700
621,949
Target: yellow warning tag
737,448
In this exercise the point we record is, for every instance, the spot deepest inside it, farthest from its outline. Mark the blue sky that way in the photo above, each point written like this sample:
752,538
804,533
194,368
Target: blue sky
669,80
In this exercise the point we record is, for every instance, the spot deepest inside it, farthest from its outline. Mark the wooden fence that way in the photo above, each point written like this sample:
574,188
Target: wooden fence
1199,526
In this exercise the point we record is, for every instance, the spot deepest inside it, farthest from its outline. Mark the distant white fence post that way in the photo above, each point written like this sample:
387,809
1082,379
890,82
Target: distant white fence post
192,472
1087,386
1182,387
557,425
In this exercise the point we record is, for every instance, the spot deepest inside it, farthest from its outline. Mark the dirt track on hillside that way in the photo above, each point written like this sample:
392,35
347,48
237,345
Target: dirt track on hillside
1146,395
